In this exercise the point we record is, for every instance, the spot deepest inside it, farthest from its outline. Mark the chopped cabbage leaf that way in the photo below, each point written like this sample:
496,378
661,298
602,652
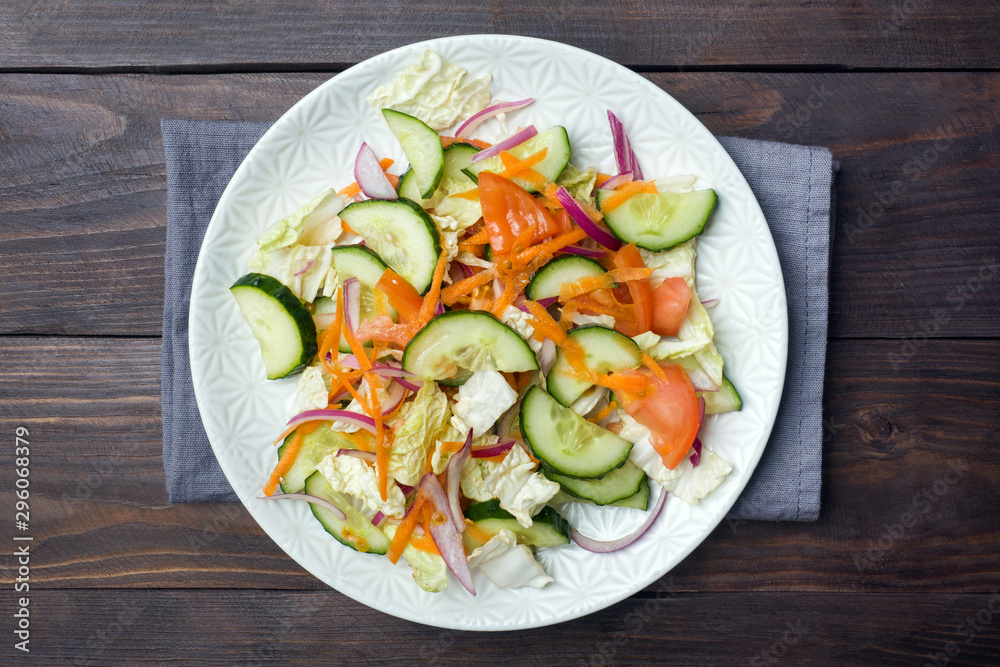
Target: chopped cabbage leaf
509,564
421,421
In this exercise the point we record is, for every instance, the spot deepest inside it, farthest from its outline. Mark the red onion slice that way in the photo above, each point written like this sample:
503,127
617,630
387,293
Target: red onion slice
397,392
547,301
315,500
710,303
447,540
378,519
615,181
583,252
364,421
580,217
466,269
599,547
370,176
358,454
305,268
696,456
439,308
624,155
500,107
547,355
701,381
516,140
352,303
507,420
501,447
455,464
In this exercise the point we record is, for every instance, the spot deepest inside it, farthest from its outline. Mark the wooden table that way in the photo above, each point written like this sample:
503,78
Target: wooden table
902,566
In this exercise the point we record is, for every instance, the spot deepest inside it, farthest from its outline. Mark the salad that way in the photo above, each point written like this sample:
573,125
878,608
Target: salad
484,337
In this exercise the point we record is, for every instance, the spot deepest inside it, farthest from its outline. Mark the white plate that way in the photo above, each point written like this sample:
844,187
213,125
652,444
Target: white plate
312,147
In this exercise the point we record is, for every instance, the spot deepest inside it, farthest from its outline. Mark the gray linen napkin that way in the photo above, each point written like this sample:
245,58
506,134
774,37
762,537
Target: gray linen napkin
792,183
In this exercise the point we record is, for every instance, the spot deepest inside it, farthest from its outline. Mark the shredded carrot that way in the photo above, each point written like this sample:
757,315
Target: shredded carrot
602,179
549,247
332,335
384,329
425,542
523,378
350,191
362,443
381,447
651,364
471,195
477,533
625,193
584,285
546,327
481,237
288,457
496,458
381,307
401,294
465,286
433,295
405,530
604,412
478,143
347,228
515,167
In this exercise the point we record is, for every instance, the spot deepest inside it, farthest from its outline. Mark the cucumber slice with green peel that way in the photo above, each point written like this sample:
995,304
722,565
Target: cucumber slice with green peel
283,327
402,235
554,139
356,531
355,261
639,501
456,158
466,339
315,447
661,221
565,442
727,399
548,527
561,270
422,147
619,484
605,351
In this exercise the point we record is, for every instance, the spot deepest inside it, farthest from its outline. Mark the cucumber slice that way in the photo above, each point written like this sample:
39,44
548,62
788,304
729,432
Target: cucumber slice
554,139
659,222
566,269
283,327
356,531
456,158
422,147
619,484
315,447
355,261
727,399
466,339
566,442
639,501
605,350
548,527
401,234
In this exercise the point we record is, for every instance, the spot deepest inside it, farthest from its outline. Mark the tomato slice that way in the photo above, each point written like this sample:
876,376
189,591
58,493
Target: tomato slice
509,211
669,410
629,258
670,305
402,295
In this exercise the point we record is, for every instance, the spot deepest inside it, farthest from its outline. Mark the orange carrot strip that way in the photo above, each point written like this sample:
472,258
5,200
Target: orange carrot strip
425,543
625,192
514,167
651,364
602,179
549,247
381,447
405,530
350,191
477,533
471,195
465,286
604,412
288,457
433,295
401,294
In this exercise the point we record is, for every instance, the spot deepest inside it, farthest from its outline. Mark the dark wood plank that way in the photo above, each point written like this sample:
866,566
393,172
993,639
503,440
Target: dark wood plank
910,478
82,202
164,35
323,627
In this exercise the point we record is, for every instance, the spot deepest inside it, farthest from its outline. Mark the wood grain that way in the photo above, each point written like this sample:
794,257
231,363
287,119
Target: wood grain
83,206
321,627
894,518
168,35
